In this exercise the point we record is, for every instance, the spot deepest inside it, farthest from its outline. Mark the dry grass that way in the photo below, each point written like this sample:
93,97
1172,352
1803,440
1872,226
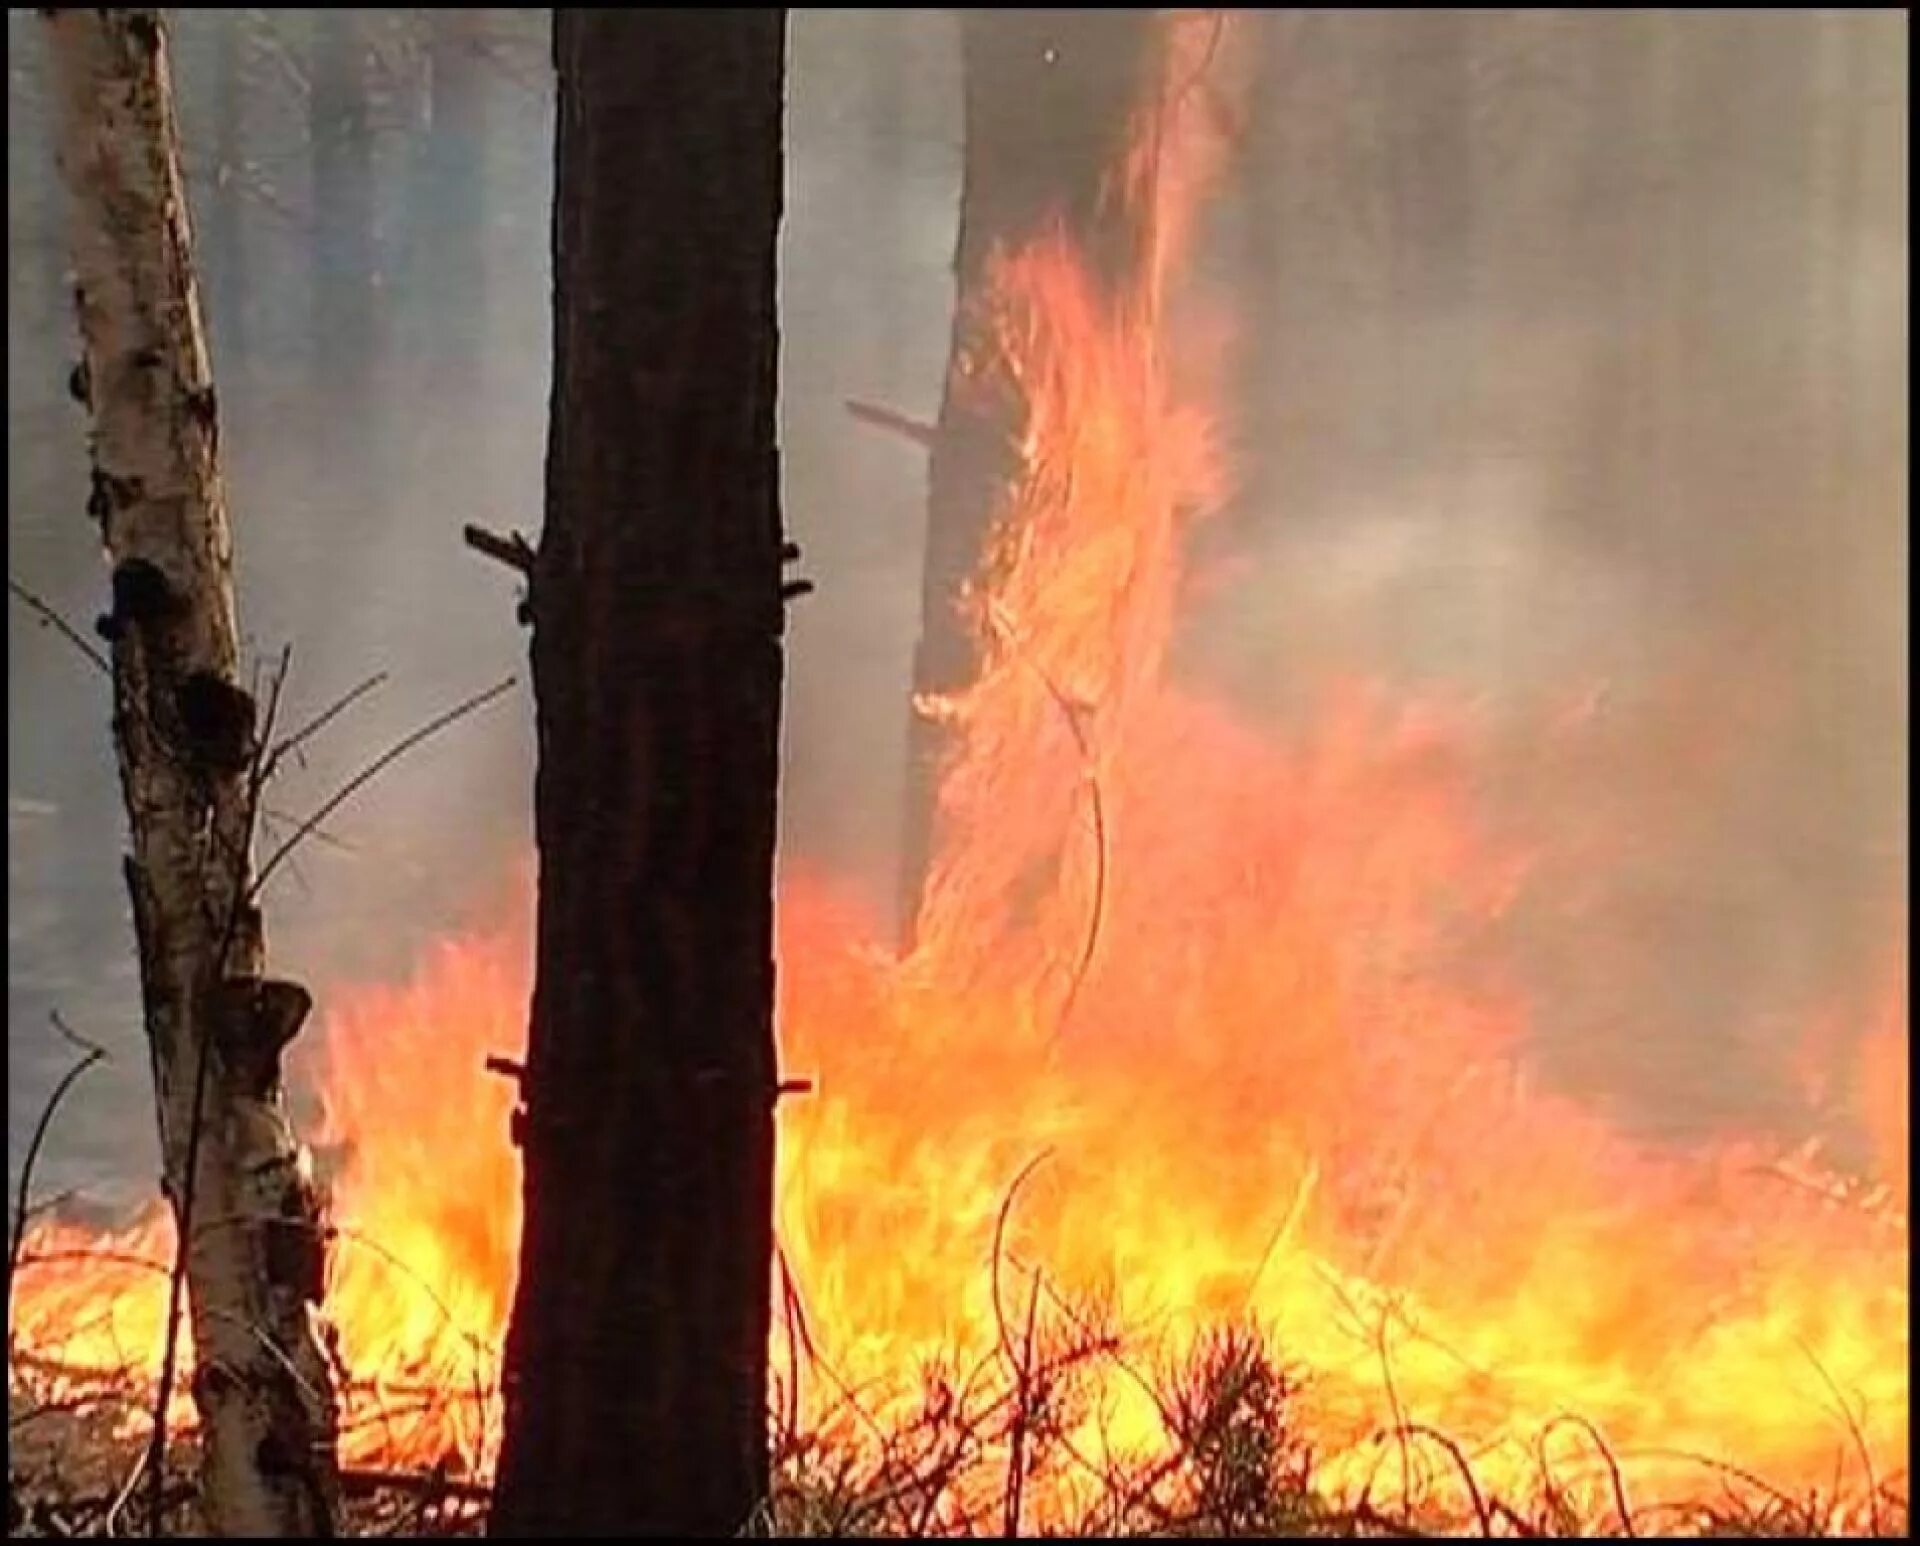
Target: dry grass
996,1449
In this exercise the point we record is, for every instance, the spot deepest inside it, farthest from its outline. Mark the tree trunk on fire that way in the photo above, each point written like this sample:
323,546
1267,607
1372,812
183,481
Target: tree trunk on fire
1049,97
636,1380
185,733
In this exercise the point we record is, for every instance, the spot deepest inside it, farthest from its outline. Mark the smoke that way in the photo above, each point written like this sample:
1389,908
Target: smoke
1568,376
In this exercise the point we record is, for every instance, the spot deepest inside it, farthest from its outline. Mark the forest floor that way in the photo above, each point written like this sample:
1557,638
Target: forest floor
1000,1466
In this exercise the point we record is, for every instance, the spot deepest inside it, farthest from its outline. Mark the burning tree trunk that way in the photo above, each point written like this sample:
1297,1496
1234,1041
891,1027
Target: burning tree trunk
1049,95
636,1362
185,732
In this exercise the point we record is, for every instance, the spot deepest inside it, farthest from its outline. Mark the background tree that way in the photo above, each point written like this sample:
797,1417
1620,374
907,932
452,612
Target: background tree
636,1382
340,143
450,163
186,735
1049,96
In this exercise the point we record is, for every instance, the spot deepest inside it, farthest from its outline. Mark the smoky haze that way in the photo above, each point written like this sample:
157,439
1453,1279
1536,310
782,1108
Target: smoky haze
1566,367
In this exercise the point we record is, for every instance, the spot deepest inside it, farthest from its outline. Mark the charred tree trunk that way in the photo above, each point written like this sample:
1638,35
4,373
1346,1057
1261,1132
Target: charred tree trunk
636,1376
1049,97
185,732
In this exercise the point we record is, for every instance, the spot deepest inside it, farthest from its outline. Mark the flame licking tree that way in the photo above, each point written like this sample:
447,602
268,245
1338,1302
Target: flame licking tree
1050,97
637,1357
1277,1099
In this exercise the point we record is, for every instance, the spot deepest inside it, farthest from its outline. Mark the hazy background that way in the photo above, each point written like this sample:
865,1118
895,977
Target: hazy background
1570,365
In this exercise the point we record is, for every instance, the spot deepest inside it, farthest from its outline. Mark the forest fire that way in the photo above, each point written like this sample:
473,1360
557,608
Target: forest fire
1180,1041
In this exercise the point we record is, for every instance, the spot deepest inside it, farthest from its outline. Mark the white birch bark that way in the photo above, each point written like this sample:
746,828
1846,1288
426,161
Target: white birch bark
184,731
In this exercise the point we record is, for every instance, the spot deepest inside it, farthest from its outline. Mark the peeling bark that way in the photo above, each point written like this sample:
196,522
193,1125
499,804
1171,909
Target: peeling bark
185,733
636,1368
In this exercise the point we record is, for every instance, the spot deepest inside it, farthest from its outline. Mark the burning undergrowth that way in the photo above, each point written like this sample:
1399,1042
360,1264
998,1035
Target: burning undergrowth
1175,1183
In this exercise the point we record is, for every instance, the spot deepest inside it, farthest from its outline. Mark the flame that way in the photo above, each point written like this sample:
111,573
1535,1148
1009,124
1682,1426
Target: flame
1180,1036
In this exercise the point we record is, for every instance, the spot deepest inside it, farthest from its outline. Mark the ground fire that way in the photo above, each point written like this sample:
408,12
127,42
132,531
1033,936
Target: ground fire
1179,1048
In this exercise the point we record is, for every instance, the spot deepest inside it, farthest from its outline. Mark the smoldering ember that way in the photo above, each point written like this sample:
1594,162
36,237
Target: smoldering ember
934,773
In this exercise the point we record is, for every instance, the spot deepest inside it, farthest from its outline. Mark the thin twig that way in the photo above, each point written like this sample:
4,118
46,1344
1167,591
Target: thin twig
1853,1428
373,769
1022,1417
1480,1511
1607,1458
362,1481
999,1239
90,1054
1071,712
320,721
58,623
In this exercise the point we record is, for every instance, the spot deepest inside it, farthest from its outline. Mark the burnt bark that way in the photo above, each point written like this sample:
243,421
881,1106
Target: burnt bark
185,733
636,1382
1049,96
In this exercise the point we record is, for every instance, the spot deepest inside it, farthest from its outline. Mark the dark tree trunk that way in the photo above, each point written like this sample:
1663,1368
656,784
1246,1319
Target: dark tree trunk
636,1365
1049,97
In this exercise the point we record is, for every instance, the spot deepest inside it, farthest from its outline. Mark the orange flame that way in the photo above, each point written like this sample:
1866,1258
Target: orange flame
1204,973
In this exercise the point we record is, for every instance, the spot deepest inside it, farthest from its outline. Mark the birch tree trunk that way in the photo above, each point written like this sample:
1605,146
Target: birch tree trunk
636,1367
238,1182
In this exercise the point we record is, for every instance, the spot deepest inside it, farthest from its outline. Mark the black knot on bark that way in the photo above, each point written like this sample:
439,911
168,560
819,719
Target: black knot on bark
296,1241
210,1381
253,1019
143,592
107,494
273,1458
216,719
144,28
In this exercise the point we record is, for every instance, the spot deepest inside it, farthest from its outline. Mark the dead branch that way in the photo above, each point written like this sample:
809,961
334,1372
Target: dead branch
1434,1435
1852,1423
52,619
1607,1458
364,1482
320,721
90,1054
1071,712
999,1243
373,769
915,431
513,550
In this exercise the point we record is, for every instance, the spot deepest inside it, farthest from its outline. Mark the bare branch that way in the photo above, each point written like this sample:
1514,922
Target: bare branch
54,620
914,431
90,1054
514,551
320,721
367,774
